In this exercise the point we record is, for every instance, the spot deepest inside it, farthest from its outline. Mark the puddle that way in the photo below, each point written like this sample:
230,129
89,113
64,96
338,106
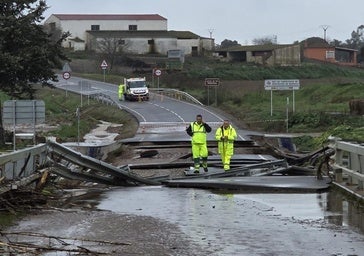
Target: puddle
229,224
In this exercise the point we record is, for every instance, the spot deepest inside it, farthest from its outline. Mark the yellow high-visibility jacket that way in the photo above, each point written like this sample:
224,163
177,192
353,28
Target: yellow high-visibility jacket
121,89
198,132
225,138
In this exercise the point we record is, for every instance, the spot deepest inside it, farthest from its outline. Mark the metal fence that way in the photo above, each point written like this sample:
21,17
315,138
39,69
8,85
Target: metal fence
176,94
349,163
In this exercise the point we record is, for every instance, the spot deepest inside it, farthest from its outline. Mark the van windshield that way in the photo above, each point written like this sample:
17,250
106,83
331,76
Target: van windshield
137,84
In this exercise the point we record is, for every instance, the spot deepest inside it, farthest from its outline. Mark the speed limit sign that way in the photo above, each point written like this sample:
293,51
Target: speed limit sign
157,72
66,75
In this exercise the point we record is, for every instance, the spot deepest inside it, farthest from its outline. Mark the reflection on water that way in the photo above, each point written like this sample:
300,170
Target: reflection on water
218,221
345,211
332,206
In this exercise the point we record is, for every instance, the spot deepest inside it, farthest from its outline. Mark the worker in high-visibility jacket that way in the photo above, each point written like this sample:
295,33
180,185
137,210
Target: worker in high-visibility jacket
121,91
198,131
226,135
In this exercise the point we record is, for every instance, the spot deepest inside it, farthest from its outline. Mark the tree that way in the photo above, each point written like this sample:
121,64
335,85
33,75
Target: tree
110,47
265,40
28,55
229,43
357,38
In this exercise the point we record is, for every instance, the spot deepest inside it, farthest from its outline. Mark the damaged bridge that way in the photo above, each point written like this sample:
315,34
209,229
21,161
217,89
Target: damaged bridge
28,166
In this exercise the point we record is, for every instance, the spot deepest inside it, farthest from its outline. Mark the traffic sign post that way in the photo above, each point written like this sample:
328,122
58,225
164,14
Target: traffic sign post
157,73
66,69
212,82
104,66
279,85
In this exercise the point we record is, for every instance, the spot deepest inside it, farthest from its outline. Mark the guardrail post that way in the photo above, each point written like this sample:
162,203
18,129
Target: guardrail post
338,174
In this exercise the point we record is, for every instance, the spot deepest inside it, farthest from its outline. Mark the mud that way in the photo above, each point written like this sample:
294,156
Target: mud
142,235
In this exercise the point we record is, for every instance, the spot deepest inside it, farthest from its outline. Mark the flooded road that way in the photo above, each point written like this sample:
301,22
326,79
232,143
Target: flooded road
248,224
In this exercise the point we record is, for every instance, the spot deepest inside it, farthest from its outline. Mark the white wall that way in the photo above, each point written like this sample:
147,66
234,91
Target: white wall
78,28
186,45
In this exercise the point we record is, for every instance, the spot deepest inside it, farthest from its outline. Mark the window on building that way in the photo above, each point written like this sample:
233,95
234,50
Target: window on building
133,27
151,41
95,27
330,54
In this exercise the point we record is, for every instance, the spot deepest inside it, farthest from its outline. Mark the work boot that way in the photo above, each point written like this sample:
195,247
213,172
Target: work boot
205,169
196,171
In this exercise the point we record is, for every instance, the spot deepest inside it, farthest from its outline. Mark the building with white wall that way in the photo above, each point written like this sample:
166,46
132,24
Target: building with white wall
136,33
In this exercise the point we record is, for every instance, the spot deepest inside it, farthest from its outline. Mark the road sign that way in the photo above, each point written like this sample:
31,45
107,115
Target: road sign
288,84
279,85
157,72
21,112
104,64
66,75
66,68
212,81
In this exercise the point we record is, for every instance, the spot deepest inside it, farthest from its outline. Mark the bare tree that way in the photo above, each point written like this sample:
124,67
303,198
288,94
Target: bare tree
111,47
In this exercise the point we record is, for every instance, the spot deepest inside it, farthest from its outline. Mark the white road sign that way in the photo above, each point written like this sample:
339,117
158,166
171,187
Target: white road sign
104,64
66,75
157,72
288,84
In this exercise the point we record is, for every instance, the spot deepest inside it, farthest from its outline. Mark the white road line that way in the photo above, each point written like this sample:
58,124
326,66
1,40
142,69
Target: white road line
132,110
171,111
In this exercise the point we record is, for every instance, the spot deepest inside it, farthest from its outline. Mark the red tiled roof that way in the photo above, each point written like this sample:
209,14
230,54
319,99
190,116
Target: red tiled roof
109,17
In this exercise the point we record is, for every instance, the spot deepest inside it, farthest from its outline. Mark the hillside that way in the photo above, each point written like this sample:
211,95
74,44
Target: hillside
321,104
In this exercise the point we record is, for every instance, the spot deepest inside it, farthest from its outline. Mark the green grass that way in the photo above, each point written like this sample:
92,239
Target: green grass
62,110
109,78
61,113
202,68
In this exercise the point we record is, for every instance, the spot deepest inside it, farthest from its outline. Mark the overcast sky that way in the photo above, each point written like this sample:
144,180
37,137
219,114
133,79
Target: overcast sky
240,20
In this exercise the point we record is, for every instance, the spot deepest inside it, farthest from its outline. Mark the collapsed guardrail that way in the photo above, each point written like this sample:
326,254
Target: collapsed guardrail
117,176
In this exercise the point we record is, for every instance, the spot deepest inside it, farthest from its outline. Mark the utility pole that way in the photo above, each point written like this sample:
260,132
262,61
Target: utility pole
210,31
325,27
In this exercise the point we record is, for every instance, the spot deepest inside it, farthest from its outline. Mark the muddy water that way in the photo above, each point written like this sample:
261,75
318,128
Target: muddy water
250,224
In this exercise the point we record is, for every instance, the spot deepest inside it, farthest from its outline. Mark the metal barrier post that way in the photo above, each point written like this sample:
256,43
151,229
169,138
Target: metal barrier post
338,174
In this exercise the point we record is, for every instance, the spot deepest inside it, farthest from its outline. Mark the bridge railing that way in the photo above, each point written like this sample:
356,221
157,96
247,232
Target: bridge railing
349,163
22,163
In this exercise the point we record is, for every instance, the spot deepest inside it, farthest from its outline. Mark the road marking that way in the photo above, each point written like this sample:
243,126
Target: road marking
171,111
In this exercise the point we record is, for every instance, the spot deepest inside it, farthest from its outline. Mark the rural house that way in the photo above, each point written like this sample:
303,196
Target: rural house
271,54
316,48
130,33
